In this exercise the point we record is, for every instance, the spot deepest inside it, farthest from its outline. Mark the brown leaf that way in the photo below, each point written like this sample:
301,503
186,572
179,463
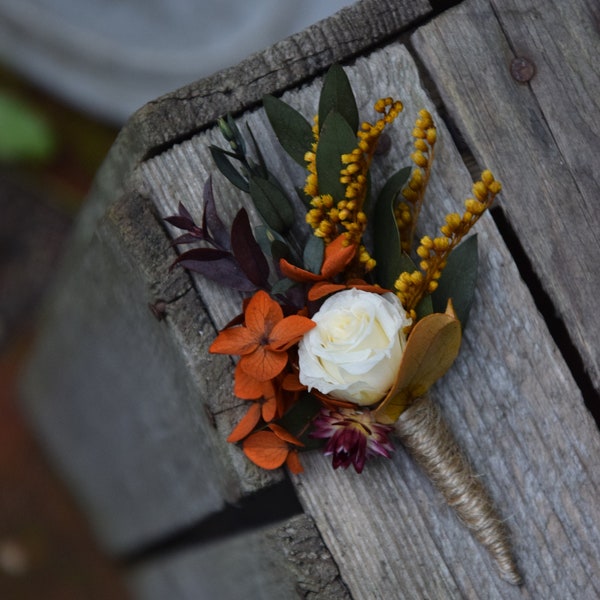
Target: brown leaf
431,348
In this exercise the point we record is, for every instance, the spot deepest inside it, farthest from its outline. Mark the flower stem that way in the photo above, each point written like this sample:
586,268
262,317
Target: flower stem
428,439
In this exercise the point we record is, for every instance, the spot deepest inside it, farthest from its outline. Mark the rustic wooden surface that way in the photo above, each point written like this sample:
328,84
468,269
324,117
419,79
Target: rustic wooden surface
125,367
513,404
542,137
285,560
179,115
505,398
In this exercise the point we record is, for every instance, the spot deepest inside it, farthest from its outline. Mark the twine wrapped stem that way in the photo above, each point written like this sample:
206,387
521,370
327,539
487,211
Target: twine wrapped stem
426,436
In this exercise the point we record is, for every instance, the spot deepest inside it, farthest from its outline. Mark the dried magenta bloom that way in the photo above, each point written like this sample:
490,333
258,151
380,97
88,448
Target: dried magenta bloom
353,436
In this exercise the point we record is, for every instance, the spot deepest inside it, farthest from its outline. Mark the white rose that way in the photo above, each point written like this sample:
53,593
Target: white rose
354,351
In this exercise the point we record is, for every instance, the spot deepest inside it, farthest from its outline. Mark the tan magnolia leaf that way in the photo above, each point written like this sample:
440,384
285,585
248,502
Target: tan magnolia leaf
430,350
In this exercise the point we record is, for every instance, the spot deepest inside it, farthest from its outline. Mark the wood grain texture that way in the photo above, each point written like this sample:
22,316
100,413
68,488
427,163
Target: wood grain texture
178,115
285,560
121,404
542,138
509,399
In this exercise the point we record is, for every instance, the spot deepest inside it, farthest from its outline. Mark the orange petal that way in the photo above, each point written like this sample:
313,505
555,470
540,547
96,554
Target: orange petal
246,424
265,449
264,364
291,383
293,463
296,273
324,288
359,284
247,387
269,407
237,340
262,313
337,256
289,331
284,434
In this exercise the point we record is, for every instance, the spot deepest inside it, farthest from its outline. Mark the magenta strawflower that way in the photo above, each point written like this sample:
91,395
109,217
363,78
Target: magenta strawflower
353,436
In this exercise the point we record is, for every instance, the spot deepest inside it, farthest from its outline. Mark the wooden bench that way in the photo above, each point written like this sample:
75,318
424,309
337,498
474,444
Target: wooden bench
134,411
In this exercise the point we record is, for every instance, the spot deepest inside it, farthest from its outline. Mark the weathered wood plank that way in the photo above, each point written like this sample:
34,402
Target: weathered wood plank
286,560
509,398
121,402
180,114
542,137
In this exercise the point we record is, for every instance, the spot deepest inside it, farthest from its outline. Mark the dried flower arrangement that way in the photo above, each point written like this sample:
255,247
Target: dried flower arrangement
346,329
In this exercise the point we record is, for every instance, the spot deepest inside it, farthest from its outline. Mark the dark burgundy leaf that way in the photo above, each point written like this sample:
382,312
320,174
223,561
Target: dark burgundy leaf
183,212
182,223
201,255
247,251
212,221
224,271
186,238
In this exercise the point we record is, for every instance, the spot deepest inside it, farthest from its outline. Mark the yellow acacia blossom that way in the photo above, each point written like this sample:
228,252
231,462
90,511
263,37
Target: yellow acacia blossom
407,211
411,287
329,216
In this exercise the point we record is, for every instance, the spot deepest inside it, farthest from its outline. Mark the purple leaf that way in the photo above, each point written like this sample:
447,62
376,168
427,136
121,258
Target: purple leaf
211,220
181,222
183,212
201,255
186,238
247,251
224,271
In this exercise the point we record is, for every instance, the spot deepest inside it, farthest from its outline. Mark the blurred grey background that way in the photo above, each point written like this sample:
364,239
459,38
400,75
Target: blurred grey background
109,57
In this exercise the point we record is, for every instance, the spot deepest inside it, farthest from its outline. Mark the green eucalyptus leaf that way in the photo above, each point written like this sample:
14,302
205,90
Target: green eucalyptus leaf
313,254
266,239
337,95
272,204
292,130
458,280
337,138
237,135
279,250
387,250
24,135
282,286
221,159
259,169
425,307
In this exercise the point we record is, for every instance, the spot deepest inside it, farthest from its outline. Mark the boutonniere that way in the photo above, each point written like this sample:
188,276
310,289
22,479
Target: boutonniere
347,321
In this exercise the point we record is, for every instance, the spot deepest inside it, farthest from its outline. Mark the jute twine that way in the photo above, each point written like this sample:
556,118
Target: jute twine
426,436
